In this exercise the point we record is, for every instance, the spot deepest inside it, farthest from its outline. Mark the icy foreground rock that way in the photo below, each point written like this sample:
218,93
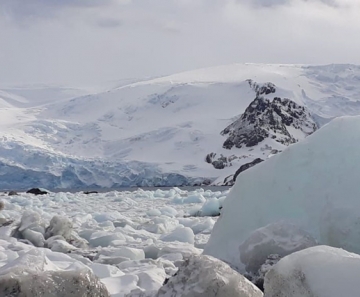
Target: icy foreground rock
205,276
33,274
313,184
278,238
320,271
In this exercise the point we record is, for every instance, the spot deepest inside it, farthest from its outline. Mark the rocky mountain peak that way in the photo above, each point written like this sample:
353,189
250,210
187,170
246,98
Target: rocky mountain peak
264,118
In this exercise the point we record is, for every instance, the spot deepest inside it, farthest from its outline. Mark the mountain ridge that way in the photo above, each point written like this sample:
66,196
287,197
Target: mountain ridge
171,122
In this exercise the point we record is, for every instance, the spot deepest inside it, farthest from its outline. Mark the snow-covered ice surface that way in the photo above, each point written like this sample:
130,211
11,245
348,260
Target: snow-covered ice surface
320,271
313,184
153,132
132,241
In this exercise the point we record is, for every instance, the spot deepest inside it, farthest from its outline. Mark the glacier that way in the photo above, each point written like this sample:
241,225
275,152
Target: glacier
313,184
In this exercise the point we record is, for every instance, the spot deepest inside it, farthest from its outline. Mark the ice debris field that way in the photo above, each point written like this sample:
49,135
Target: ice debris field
132,241
287,228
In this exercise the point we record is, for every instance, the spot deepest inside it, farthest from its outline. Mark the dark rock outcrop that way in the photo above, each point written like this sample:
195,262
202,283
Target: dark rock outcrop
264,119
247,166
90,192
230,180
220,162
265,89
37,191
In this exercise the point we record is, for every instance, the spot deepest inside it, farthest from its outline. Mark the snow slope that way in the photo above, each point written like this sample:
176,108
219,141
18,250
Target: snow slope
169,124
313,184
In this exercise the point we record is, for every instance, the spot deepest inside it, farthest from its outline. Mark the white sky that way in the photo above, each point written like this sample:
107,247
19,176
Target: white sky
89,41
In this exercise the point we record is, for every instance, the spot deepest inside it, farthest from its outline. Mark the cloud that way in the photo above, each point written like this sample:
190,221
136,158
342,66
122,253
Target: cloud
34,10
90,41
109,22
276,3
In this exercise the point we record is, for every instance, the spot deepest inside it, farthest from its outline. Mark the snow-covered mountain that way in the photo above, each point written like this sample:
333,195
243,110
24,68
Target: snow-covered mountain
169,130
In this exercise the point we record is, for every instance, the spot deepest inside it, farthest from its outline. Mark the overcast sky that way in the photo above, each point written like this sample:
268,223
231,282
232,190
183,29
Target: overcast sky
88,41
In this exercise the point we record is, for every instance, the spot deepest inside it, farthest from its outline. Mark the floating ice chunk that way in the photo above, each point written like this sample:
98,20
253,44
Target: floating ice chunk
51,239
104,239
205,276
80,258
210,208
153,212
78,241
36,238
159,194
194,198
181,234
221,200
60,197
62,246
168,211
103,271
151,251
121,285
87,233
185,249
30,220
122,252
161,225
110,216
174,257
320,271
188,222
107,226
203,226
59,225
151,280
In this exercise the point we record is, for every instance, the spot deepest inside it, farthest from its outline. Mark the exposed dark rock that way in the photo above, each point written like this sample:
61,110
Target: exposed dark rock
210,157
247,166
265,89
258,278
206,182
221,162
230,180
37,191
268,119
90,192
13,193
